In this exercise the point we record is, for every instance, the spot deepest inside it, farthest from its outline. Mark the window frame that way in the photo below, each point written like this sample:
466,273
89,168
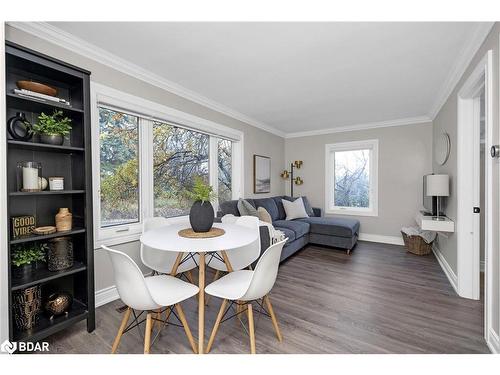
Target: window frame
149,112
330,150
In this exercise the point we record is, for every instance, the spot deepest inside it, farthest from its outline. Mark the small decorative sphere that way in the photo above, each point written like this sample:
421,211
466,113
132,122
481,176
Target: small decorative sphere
43,183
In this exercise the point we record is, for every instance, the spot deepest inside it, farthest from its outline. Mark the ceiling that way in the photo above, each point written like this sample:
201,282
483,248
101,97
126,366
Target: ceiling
299,77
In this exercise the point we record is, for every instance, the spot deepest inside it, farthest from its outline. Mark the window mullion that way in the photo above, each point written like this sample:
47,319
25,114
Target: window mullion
146,163
213,167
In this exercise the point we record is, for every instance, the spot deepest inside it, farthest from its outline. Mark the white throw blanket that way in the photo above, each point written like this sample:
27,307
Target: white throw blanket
275,235
427,235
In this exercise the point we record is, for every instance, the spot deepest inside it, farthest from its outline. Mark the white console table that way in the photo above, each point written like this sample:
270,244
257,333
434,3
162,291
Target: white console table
426,223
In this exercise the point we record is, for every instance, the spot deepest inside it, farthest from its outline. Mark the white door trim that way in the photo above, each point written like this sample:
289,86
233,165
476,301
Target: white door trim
468,266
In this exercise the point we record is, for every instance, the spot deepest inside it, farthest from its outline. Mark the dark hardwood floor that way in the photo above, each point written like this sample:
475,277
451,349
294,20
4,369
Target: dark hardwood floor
380,299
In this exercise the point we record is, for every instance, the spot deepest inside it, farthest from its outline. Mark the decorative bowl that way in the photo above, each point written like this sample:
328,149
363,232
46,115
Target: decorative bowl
37,87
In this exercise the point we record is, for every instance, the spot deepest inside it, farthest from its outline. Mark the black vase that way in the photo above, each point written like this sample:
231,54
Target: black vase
201,216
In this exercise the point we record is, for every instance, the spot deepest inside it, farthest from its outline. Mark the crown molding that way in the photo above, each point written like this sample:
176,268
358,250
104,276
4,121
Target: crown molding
68,41
366,126
466,55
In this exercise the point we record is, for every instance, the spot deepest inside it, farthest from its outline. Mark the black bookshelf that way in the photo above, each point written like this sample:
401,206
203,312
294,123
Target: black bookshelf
72,160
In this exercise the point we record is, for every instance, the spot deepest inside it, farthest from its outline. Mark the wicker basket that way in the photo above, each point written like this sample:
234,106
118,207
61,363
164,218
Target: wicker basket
416,245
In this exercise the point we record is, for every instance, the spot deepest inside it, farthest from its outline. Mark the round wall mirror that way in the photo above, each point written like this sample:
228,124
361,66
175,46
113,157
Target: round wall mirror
443,146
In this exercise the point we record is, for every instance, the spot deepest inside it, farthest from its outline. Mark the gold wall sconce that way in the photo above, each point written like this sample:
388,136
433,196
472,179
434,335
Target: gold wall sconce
289,174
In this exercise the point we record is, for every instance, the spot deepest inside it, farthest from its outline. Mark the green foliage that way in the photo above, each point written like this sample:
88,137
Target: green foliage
27,253
201,191
53,124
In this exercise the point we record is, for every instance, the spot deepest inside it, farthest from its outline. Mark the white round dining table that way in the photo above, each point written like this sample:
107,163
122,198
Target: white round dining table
167,239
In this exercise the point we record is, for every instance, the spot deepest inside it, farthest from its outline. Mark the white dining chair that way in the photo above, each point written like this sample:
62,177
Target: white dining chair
163,261
241,257
244,287
153,295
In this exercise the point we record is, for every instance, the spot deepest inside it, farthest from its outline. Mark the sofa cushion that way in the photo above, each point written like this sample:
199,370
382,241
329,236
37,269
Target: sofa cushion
333,226
299,228
229,208
279,205
264,215
246,208
295,209
269,204
307,206
290,234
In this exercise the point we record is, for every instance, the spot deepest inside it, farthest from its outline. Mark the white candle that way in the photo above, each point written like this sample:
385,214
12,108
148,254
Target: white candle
30,178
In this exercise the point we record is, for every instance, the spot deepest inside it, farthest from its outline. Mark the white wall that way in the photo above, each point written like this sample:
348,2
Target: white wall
404,157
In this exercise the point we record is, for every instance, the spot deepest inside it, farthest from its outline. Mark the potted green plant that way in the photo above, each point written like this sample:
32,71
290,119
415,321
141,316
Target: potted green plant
201,215
52,128
25,258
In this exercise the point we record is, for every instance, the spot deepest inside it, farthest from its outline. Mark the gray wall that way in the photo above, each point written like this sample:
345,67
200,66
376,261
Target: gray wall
446,120
256,141
404,157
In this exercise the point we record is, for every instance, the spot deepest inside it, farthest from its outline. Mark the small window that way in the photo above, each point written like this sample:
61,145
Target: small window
119,168
351,178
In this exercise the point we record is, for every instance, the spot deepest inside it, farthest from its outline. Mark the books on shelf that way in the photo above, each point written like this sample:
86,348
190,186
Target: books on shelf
36,95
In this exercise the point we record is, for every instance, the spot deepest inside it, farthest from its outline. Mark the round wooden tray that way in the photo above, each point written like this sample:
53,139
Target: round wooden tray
190,233
37,87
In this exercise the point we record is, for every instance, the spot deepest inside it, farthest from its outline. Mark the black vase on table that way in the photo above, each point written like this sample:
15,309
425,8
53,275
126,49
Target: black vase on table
201,216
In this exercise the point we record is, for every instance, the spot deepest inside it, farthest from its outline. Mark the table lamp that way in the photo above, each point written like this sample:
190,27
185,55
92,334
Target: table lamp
438,185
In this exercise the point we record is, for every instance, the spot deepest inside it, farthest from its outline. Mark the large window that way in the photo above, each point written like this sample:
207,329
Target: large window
147,158
119,154
351,178
178,156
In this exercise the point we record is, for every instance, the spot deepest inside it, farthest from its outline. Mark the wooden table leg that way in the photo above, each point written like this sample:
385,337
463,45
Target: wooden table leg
201,304
226,260
176,264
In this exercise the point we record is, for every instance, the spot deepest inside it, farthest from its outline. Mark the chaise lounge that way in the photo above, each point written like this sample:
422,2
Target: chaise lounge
338,232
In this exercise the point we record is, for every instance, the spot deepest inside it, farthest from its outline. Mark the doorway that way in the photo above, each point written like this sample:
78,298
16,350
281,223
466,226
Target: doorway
474,184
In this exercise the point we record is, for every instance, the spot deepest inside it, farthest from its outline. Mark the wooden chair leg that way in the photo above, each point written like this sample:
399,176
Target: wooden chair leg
120,330
157,318
184,322
147,334
273,318
216,325
216,277
189,276
251,330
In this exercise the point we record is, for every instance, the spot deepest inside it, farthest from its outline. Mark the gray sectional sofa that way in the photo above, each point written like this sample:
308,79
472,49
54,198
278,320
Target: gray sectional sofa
336,232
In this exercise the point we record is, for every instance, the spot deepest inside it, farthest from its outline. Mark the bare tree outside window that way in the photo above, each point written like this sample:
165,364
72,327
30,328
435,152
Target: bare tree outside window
119,148
224,158
352,178
178,156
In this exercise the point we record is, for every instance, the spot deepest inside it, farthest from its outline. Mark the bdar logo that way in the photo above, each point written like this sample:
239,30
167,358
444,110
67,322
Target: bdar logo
8,347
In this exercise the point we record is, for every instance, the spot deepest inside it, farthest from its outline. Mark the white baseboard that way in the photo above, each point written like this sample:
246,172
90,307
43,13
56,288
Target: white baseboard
106,295
393,240
493,342
448,271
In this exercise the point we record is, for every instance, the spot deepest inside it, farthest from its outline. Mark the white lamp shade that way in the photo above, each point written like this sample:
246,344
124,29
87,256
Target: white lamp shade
438,185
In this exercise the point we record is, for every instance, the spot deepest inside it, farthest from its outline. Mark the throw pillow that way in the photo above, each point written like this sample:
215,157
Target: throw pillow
264,215
246,209
295,209
308,206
